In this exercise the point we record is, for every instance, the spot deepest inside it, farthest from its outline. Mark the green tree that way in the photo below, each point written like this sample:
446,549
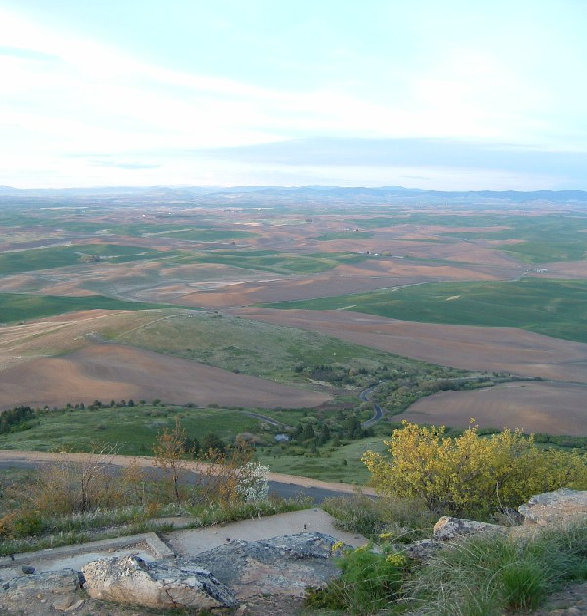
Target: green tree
212,443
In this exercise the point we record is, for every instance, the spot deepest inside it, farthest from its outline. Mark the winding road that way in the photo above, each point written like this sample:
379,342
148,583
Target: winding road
365,396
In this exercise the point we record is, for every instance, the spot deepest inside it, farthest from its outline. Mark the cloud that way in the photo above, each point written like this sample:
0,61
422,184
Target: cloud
406,152
123,165
75,110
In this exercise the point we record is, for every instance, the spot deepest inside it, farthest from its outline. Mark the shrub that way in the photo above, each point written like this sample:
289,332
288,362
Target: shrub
469,474
370,581
21,524
67,486
252,485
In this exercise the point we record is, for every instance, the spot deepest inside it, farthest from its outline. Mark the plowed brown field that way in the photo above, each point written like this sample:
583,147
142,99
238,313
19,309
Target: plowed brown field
344,279
557,408
111,371
500,349
535,407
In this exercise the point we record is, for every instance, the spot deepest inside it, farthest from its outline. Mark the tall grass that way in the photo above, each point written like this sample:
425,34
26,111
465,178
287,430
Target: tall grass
486,575
398,520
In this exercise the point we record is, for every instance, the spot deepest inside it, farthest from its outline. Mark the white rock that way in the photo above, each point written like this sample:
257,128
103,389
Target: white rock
131,580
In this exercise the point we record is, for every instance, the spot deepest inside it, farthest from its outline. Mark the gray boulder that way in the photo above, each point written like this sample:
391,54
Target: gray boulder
131,580
282,566
423,549
448,528
41,594
555,507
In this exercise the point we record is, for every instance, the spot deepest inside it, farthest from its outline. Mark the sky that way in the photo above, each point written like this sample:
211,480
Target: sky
448,95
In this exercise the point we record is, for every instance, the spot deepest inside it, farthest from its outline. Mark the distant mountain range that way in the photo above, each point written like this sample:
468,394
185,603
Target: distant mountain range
248,195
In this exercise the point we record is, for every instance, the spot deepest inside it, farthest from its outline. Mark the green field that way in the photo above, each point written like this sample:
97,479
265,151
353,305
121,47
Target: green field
63,256
551,307
273,261
282,354
344,235
24,306
132,429
129,229
207,235
331,464
542,238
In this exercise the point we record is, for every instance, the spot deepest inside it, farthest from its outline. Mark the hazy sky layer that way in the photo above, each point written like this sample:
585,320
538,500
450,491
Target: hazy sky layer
447,95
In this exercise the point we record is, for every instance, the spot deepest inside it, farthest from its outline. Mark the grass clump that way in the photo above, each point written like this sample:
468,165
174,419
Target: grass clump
487,575
483,575
397,520
370,581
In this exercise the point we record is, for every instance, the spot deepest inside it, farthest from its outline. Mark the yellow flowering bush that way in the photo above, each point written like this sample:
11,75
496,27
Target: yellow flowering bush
470,474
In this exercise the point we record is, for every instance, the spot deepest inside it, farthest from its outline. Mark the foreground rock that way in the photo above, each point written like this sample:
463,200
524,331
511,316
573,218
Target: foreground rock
282,566
447,528
555,507
129,579
38,594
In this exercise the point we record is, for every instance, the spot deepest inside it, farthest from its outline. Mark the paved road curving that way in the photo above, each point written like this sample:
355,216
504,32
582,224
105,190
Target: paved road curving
286,486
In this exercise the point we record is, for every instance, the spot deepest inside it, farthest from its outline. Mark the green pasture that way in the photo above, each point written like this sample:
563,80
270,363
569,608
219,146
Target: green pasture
552,307
207,235
261,349
63,256
131,229
344,235
132,430
406,216
330,464
542,238
24,306
273,261
295,356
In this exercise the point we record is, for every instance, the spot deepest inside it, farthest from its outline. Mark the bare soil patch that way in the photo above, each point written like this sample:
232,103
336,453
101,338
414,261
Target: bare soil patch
111,371
60,334
555,408
357,278
498,349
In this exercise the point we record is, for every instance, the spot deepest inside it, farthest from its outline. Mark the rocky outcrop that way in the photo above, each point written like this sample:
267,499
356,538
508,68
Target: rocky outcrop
423,549
554,507
129,579
38,594
447,528
282,566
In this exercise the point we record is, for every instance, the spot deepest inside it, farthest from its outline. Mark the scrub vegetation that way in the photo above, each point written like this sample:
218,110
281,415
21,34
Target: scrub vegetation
431,474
